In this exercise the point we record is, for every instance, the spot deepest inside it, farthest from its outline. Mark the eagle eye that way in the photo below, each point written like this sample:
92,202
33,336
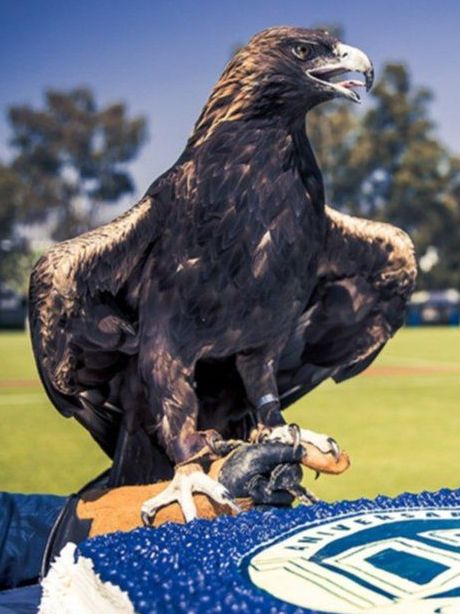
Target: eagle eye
302,51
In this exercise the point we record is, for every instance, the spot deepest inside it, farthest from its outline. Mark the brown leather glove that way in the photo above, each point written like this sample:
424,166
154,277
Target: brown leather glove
267,474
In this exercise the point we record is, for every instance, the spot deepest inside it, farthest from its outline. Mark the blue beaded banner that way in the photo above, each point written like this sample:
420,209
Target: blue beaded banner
393,555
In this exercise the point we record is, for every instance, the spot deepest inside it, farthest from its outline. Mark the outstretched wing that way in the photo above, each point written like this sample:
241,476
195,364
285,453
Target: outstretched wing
75,294
366,275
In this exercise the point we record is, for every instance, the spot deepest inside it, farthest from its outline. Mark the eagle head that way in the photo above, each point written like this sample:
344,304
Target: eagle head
296,66
284,71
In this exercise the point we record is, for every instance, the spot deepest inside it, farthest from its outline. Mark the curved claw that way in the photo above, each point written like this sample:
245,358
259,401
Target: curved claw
146,518
335,450
222,447
307,497
293,435
295,431
181,490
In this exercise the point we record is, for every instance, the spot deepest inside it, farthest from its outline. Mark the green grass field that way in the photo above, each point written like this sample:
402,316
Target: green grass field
400,422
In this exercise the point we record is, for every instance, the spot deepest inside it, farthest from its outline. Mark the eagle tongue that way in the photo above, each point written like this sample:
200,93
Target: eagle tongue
351,84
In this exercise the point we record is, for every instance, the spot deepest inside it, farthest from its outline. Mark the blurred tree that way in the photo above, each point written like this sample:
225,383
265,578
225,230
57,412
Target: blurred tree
405,176
333,129
397,159
11,200
13,249
438,234
388,164
71,156
15,266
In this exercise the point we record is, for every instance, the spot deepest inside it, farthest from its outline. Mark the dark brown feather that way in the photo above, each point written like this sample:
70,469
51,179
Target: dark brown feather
228,280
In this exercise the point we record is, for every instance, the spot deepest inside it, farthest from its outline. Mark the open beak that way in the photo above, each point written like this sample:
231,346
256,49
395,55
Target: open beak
349,59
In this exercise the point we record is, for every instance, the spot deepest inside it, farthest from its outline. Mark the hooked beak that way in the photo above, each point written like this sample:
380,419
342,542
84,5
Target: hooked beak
349,59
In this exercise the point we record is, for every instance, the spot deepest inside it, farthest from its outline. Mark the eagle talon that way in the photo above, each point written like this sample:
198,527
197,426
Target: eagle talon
146,519
307,497
289,433
181,489
222,447
335,451
260,434
295,431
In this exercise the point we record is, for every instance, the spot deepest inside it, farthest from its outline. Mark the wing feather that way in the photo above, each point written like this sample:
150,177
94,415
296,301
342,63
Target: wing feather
101,260
366,275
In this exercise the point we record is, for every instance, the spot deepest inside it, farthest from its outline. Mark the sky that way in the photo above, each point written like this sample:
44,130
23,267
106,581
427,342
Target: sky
162,57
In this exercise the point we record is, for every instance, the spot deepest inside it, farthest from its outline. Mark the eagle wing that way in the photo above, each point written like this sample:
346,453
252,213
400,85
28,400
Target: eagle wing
366,275
76,284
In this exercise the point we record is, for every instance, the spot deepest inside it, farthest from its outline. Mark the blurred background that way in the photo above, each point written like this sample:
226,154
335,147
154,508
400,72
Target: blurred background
98,98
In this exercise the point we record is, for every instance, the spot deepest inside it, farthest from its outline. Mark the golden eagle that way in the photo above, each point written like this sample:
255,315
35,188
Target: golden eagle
230,289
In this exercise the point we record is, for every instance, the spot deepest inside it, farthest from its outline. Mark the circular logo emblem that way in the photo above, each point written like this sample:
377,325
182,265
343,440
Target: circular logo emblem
387,556
406,560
